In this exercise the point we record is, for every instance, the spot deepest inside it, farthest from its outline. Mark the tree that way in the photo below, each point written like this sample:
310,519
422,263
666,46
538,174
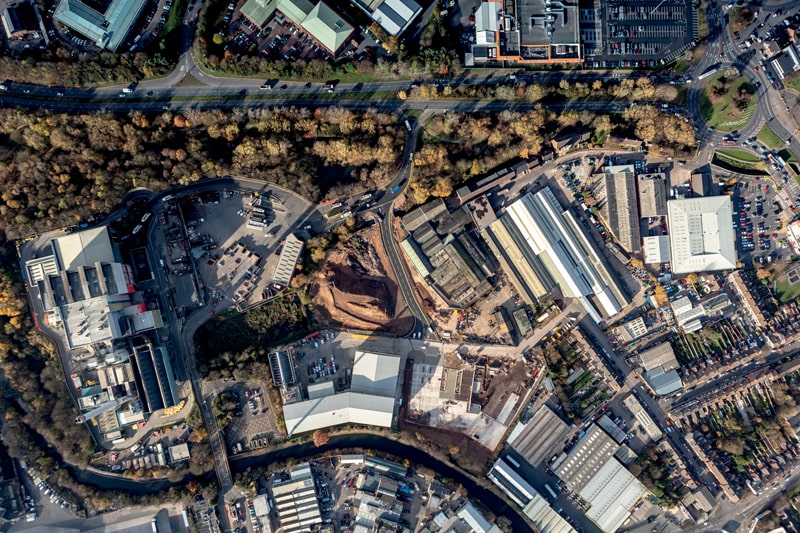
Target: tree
219,39
535,92
475,169
660,295
320,438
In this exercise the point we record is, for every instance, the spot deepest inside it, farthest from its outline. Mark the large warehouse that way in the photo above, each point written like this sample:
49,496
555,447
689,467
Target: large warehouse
541,437
701,235
544,248
296,501
106,23
591,470
369,401
535,507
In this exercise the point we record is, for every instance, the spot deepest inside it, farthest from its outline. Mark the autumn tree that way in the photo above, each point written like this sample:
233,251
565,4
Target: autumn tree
320,438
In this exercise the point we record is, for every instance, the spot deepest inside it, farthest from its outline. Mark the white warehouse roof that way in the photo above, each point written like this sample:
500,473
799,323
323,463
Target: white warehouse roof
344,408
557,241
83,248
394,16
375,374
701,234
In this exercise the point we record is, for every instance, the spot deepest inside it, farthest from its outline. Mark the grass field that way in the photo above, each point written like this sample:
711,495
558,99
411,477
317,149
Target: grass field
786,292
768,137
741,155
793,81
716,115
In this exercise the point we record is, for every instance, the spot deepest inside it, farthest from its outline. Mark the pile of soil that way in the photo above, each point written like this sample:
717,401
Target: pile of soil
355,288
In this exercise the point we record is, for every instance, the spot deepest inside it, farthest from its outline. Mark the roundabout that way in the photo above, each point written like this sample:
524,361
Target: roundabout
728,101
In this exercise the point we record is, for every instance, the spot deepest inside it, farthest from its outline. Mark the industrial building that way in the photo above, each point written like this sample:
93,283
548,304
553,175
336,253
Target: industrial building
394,16
616,198
83,293
282,368
370,399
652,194
104,22
541,437
633,329
21,20
287,262
701,234
663,382
544,251
661,355
660,365
656,249
323,24
445,249
86,292
526,32
296,501
592,470
504,475
643,419
155,374
179,453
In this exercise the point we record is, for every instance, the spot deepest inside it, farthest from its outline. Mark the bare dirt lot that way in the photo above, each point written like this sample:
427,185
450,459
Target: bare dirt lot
355,288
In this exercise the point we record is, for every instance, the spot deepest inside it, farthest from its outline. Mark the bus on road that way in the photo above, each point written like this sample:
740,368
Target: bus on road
552,492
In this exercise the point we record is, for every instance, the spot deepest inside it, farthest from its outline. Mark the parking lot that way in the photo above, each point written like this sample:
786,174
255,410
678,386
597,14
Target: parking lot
320,359
253,425
758,218
280,39
640,33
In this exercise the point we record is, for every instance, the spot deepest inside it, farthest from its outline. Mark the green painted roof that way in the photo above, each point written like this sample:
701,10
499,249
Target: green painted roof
295,10
259,11
327,27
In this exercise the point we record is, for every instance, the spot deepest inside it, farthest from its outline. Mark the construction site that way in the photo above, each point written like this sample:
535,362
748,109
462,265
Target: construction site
355,288
473,395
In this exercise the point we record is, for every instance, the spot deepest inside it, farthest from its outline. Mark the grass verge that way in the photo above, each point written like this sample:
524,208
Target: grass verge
731,161
741,155
793,81
768,137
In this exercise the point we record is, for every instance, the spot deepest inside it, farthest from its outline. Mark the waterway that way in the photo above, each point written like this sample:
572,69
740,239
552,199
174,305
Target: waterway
378,443
475,492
